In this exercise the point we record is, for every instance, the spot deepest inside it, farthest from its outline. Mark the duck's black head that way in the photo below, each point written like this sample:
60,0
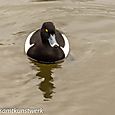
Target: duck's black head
48,34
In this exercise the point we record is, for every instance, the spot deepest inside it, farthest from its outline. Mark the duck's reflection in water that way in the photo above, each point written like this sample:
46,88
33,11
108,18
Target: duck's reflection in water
45,73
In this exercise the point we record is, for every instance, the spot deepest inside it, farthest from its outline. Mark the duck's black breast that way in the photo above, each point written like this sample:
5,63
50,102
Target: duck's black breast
45,53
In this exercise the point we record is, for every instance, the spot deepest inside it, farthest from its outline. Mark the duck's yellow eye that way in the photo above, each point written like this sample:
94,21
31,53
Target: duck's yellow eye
46,30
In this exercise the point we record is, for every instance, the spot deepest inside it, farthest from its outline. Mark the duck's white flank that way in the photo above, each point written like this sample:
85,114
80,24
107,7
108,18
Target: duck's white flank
66,47
27,43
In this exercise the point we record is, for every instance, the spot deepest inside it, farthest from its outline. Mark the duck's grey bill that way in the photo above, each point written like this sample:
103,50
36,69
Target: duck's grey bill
52,41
